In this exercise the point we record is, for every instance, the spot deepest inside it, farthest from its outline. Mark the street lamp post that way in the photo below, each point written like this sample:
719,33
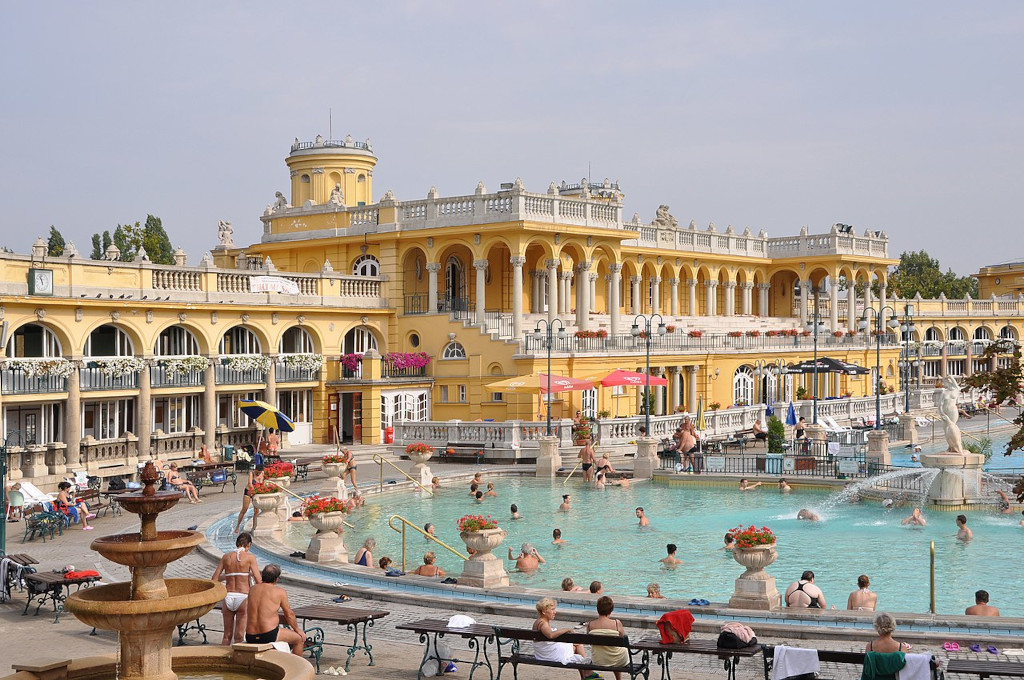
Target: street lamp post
635,332
907,329
768,368
3,447
814,325
893,325
548,327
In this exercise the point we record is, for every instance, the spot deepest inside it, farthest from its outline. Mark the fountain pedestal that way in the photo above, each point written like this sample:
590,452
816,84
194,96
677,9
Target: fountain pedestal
327,545
878,447
959,477
646,461
550,459
483,569
755,588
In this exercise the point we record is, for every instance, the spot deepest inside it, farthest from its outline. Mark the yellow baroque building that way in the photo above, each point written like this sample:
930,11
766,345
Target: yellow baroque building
360,316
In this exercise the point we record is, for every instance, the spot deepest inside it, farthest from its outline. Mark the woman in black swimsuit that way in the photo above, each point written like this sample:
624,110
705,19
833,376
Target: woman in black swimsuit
255,477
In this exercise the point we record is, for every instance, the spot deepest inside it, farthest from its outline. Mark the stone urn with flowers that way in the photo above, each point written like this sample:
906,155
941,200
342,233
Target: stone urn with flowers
326,514
419,453
755,549
280,475
334,466
266,498
482,535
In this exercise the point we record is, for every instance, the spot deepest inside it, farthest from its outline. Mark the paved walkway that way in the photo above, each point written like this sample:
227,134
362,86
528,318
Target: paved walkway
397,653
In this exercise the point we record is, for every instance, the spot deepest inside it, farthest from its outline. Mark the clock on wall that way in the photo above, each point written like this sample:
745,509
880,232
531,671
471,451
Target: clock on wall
998,280
40,282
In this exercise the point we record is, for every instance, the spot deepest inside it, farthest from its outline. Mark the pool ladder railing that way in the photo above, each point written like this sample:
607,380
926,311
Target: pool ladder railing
381,461
406,523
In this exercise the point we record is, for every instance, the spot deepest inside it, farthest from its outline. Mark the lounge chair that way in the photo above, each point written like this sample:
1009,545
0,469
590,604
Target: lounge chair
832,426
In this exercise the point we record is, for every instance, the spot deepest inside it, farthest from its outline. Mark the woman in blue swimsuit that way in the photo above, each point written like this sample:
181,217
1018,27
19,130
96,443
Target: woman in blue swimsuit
364,558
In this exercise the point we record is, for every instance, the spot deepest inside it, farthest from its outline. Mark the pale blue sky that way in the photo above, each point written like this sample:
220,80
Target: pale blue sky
898,116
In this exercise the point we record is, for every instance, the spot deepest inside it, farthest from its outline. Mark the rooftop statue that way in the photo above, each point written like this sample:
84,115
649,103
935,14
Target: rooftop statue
280,202
337,197
224,233
663,219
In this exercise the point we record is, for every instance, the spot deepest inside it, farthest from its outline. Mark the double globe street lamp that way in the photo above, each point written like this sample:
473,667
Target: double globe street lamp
545,331
635,331
893,324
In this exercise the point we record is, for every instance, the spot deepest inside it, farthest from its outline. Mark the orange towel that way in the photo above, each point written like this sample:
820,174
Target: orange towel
675,626
85,573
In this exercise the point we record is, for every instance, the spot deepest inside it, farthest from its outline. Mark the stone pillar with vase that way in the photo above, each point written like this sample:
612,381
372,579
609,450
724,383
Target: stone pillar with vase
550,459
483,569
268,522
755,588
333,467
327,544
419,454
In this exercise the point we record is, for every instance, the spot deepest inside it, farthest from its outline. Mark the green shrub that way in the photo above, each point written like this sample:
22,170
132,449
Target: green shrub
776,435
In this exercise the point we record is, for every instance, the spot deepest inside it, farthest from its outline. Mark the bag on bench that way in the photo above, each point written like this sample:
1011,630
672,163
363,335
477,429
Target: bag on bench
219,477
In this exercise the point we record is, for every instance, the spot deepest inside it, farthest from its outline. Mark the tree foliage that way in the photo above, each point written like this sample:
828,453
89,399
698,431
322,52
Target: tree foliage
156,242
1005,384
55,244
100,245
129,238
776,435
918,272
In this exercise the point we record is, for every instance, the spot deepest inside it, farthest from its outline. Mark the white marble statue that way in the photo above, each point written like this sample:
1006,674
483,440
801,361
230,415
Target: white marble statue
224,233
280,202
950,413
664,219
337,197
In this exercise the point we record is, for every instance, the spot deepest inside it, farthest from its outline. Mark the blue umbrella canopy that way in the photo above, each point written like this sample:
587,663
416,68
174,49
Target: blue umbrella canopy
791,415
266,415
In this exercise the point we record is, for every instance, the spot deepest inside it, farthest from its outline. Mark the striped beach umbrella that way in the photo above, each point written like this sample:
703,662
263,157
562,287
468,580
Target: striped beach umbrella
266,415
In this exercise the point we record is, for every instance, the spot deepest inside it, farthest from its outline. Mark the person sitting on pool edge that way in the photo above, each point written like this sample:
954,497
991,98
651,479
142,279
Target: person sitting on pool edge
862,598
428,568
803,594
981,606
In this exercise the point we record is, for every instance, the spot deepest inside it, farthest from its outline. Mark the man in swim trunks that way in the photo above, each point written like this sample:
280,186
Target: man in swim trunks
266,599
236,568
587,460
963,533
916,518
528,558
803,594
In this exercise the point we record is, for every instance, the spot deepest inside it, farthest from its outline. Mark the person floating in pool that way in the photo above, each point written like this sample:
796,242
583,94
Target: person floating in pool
670,560
644,522
556,534
809,515
963,533
730,543
784,486
515,512
915,519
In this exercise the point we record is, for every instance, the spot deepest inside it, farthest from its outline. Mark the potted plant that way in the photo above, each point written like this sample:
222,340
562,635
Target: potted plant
281,473
325,514
482,534
419,453
735,334
670,328
837,334
755,550
714,406
801,392
266,496
695,333
333,464
604,413
754,333
581,431
776,435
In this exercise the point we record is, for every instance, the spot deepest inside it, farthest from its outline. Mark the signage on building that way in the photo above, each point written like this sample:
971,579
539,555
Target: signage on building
273,284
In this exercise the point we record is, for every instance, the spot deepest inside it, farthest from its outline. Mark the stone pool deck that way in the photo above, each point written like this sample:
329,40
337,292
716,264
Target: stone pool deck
36,638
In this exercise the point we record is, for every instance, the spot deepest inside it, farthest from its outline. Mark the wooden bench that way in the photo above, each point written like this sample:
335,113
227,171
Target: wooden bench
479,635
219,476
508,642
829,656
463,450
984,669
17,567
664,652
42,522
94,500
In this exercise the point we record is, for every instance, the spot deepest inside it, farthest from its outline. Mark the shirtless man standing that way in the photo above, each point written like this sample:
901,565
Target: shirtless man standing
644,522
528,558
916,518
862,599
587,460
236,568
266,599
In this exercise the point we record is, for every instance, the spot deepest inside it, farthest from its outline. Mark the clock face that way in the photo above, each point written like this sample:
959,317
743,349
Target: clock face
998,280
42,282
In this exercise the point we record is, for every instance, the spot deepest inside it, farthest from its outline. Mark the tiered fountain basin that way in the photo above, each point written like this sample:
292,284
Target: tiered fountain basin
110,607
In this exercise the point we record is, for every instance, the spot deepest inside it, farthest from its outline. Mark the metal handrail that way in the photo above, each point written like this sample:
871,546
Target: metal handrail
566,480
936,419
289,491
380,460
435,539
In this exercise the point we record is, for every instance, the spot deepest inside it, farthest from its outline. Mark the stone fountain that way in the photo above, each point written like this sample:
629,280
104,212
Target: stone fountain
959,478
146,610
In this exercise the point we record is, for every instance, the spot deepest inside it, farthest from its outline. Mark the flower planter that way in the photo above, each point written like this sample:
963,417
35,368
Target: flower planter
327,544
334,469
327,522
283,482
755,559
483,569
755,588
267,502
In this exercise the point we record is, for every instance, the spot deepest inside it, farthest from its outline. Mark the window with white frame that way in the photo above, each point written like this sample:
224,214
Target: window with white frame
454,350
444,394
743,386
955,367
108,419
34,341
176,341
240,340
462,394
109,341
931,368
358,340
296,340
957,334
366,265
177,415
933,335
296,404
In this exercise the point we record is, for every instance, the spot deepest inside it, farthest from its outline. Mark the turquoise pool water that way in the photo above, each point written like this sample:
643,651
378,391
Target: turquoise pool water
606,544
934,441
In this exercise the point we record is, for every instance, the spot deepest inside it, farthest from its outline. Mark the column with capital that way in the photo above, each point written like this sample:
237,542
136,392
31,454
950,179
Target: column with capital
144,409
517,296
536,303
691,300
762,298
210,402
882,295
691,391
748,298
711,298
730,298
481,291
583,290
851,305
634,282
552,266
270,391
868,295
805,298
613,305
674,388
72,419
833,307
432,269
565,292
656,295
593,293
673,303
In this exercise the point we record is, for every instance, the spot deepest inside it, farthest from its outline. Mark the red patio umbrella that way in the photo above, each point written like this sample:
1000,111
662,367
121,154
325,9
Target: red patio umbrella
621,377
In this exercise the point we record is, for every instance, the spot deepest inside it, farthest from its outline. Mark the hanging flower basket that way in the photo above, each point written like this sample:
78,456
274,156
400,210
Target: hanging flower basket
754,334
405,360
351,362
735,334
695,334
120,366
185,365
58,367
249,362
310,363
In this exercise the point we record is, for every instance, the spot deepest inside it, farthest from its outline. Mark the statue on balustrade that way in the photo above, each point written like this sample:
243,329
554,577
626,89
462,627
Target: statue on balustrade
225,233
663,219
337,197
280,202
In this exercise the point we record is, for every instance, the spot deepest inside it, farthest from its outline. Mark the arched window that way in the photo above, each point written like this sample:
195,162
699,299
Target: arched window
1008,333
366,265
743,386
358,340
957,334
933,335
454,350
296,340
34,341
240,340
176,341
109,341
982,334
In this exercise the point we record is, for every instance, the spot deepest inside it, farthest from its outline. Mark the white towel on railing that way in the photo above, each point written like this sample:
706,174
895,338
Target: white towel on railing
918,667
790,661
